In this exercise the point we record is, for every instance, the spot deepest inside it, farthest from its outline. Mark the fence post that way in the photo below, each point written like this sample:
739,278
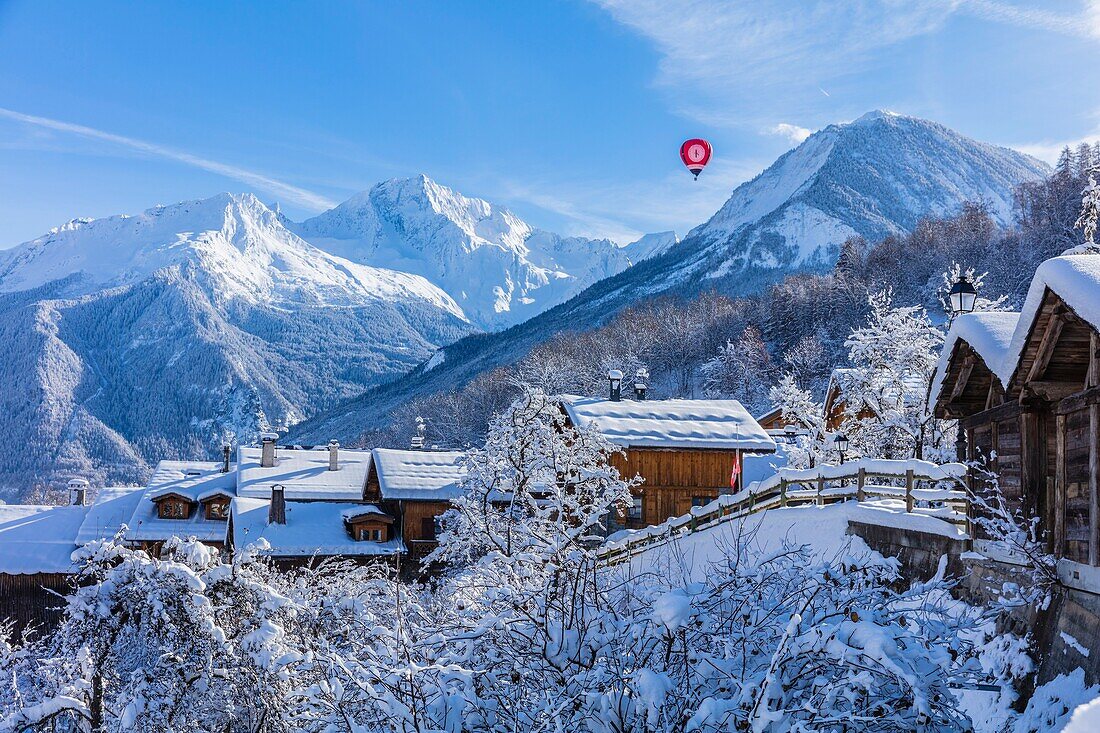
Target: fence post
782,492
909,490
861,479
820,487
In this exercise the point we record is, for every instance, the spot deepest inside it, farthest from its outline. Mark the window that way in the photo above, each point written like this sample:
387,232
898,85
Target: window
173,509
217,510
701,500
634,514
370,534
428,528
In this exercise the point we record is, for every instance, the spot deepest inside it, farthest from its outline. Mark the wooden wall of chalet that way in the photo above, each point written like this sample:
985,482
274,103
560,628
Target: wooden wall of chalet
27,599
674,478
1043,431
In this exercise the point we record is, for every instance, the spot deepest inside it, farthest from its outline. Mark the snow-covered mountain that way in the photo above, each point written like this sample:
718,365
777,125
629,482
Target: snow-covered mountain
876,176
499,269
134,338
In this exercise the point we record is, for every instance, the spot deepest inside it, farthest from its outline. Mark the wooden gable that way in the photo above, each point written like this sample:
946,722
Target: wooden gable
1058,356
969,385
174,506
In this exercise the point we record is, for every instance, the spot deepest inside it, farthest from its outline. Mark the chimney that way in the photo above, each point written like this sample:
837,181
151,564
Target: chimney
276,513
227,451
333,459
417,442
640,378
78,491
615,379
267,449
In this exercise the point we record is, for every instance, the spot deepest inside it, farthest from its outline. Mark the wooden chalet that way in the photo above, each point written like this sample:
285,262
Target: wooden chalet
686,451
1025,389
415,487
183,499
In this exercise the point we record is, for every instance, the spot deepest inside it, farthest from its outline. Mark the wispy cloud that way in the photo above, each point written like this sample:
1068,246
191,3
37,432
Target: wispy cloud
794,133
767,58
595,209
1049,150
280,189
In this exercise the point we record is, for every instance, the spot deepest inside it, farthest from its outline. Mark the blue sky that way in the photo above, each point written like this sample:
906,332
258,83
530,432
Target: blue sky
568,112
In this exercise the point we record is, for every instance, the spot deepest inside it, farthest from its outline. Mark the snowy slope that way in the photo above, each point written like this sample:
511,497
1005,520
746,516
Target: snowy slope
133,339
876,176
241,246
500,270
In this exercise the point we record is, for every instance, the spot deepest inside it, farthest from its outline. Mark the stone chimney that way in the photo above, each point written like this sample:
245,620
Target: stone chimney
333,455
276,513
227,451
78,491
640,378
615,380
267,449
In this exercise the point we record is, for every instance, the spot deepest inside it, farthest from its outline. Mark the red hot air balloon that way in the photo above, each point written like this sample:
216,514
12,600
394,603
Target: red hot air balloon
696,154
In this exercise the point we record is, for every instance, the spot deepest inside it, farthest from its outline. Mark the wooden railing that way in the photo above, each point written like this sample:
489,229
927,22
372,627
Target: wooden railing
926,488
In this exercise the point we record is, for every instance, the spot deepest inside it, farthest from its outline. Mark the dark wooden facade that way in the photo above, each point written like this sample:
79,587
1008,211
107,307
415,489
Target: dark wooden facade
31,600
416,520
674,479
1039,433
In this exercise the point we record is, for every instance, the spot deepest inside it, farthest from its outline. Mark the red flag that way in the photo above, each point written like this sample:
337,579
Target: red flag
736,469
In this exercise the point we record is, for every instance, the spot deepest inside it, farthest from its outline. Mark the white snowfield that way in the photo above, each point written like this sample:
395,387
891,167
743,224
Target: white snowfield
313,528
419,475
999,337
303,474
711,424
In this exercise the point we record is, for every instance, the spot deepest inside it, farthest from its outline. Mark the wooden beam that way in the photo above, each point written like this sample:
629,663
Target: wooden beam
965,371
1092,377
1094,490
1050,391
1060,485
1046,346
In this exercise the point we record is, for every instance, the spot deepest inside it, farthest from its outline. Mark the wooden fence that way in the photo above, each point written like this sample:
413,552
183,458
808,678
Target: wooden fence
926,488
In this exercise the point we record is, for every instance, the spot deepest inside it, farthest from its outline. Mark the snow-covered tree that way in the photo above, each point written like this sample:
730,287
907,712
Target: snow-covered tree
742,370
1089,218
797,405
892,361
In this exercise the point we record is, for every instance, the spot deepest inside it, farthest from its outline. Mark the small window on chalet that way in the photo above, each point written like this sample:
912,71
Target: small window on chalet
634,513
370,534
217,509
173,509
701,500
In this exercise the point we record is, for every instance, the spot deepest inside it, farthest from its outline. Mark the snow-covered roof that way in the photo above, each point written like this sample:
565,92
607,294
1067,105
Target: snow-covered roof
363,510
312,528
38,539
716,424
190,479
1076,280
989,334
413,475
113,507
304,473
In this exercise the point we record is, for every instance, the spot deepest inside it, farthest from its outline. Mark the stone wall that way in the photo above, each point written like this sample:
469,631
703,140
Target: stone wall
1070,622
918,552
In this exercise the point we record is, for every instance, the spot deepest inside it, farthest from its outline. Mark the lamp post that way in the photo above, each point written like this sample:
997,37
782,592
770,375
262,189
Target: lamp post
963,296
840,442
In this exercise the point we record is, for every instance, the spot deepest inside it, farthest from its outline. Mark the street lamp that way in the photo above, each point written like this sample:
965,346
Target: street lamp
962,296
840,442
